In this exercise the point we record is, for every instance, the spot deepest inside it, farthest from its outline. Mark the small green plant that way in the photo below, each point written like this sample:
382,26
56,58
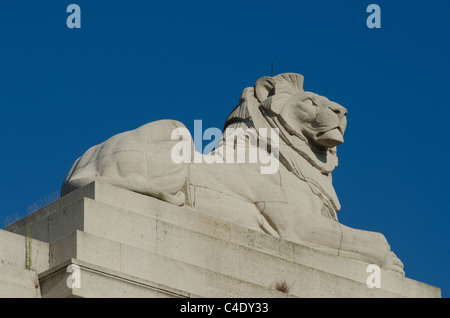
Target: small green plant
29,249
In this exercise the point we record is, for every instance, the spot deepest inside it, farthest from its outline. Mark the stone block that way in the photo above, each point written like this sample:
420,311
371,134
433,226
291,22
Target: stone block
16,282
145,242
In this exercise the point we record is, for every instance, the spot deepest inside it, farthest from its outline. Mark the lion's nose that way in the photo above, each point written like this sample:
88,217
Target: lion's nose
339,110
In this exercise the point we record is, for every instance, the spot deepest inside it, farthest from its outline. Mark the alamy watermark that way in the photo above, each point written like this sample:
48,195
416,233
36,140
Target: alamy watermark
374,19
374,279
74,19
74,279
236,145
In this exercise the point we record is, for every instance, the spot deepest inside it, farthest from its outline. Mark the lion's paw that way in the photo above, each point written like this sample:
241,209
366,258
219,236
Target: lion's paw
394,264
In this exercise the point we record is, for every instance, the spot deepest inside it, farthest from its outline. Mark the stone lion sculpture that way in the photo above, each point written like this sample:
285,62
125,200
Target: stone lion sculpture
296,203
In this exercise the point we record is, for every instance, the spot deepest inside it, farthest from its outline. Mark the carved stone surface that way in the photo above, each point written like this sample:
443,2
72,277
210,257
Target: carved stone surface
297,202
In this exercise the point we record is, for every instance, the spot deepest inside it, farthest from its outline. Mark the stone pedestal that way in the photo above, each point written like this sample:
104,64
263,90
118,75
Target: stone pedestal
103,241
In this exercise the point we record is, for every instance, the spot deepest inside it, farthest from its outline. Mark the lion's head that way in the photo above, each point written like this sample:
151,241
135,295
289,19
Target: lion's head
310,123
306,114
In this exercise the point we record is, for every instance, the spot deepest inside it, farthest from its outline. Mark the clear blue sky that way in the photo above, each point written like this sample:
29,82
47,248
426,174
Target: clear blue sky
132,62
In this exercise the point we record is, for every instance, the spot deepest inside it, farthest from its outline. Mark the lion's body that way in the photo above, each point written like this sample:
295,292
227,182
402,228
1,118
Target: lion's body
297,203
239,193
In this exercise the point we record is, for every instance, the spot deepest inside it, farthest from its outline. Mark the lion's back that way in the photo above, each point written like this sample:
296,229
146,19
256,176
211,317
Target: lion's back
140,158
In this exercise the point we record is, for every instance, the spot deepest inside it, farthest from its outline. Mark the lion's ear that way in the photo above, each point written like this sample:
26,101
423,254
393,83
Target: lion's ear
263,87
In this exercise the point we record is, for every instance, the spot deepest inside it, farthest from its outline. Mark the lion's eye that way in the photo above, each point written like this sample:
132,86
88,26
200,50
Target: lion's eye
309,101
